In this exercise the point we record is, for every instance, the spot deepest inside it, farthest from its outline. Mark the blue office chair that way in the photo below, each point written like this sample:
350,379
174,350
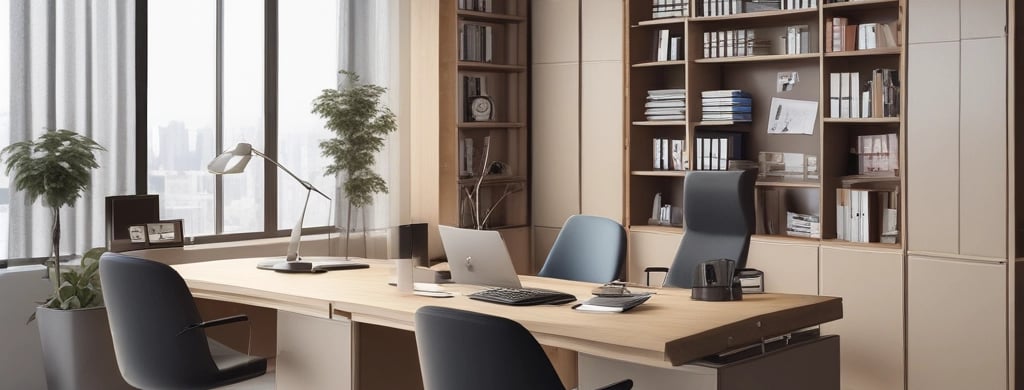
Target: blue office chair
588,249
719,216
467,350
158,336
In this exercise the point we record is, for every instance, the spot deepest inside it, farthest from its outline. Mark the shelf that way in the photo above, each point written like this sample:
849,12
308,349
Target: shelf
721,123
489,125
659,123
885,51
781,238
793,182
780,14
657,229
864,121
868,179
489,67
661,21
861,4
489,17
491,180
659,63
832,242
662,173
760,58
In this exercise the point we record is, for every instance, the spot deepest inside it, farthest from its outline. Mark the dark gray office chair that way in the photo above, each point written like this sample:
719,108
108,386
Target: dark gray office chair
158,336
588,249
466,350
719,214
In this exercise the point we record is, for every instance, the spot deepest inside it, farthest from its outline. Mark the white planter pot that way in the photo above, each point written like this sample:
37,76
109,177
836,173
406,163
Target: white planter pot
78,352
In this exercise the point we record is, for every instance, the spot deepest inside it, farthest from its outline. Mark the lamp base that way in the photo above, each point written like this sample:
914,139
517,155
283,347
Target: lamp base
308,266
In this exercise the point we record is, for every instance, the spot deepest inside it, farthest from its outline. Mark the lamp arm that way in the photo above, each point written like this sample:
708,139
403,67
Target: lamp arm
304,183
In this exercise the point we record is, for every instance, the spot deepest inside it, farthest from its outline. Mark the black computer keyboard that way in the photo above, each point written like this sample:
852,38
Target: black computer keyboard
522,296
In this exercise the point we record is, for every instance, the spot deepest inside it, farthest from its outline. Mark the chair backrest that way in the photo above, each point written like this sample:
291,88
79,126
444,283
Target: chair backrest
719,214
588,249
466,350
148,304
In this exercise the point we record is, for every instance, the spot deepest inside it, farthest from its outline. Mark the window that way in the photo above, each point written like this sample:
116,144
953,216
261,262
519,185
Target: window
207,92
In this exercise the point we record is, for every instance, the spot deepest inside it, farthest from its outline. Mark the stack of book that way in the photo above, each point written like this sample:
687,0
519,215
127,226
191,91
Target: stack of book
665,105
867,215
802,225
670,8
732,7
878,154
735,43
475,42
725,105
877,98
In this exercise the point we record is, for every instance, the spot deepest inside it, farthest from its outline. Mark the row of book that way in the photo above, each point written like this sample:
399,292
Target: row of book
733,7
670,154
867,215
735,43
715,151
669,8
864,36
797,39
876,98
665,105
878,154
726,105
477,5
668,47
803,225
475,42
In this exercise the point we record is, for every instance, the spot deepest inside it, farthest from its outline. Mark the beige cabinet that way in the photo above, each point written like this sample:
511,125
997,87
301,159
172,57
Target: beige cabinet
789,267
956,324
556,155
651,249
871,330
601,181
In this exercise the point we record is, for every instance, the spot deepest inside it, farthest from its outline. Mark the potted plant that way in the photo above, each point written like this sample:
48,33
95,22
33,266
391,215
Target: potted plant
360,123
73,327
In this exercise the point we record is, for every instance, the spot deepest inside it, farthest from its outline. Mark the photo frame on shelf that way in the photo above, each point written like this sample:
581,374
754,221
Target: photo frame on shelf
124,212
164,234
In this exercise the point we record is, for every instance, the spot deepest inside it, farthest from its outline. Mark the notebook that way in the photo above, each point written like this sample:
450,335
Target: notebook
478,257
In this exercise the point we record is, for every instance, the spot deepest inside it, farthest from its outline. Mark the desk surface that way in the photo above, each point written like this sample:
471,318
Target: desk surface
670,329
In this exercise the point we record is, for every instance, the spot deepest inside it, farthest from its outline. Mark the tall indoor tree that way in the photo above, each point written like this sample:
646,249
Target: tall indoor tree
361,123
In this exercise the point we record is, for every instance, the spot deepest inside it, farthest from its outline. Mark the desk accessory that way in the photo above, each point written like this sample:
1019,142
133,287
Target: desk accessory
234,161
612,304
716,280
126,219
751,280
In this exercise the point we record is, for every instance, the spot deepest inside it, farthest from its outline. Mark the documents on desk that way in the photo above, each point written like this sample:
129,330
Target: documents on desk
612,304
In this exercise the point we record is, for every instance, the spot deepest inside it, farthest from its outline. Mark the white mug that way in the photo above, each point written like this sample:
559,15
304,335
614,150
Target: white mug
404,270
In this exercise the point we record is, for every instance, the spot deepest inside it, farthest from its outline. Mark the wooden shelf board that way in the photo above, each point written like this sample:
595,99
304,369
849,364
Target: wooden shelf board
659,63
758,15
885,51
489,67
662,229
760,58
787,182
660,21
781,238
721,123
662,173
861,4
861,179
489,17
493,180
863,121
489,125
659,123
836,243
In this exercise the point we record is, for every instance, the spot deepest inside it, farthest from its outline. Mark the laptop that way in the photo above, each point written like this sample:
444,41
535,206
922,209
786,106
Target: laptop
478,257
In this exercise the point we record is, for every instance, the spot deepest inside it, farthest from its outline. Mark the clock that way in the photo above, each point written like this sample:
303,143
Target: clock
481,108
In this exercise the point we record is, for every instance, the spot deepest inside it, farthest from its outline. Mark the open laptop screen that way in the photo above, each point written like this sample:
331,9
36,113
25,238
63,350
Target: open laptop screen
478,257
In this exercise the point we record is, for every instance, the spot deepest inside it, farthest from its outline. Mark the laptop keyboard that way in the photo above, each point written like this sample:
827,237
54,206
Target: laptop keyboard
522,296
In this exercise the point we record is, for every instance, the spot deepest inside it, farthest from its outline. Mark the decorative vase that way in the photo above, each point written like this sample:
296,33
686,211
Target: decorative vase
78,352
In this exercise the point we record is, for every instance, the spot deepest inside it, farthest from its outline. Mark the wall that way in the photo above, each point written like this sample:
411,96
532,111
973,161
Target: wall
21,363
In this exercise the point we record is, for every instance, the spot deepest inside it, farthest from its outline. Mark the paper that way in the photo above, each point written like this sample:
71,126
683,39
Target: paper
786,81
789,116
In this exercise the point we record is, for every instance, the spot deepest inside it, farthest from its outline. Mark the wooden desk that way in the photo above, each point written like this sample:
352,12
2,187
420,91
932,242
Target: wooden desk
668,330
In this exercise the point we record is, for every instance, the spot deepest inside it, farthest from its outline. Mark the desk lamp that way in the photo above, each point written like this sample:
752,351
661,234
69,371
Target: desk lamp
235,161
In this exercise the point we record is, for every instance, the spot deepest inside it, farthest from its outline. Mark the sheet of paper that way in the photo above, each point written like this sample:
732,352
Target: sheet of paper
788,116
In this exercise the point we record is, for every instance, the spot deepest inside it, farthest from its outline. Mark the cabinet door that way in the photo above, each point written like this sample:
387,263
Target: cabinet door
553,31
983,148
556,138
934,21
956,324
871,330
933,106
982,18
789,268
601,181
651,249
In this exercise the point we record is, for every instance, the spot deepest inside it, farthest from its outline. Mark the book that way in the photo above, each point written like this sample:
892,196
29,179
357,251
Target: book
738,101
724,93
612,304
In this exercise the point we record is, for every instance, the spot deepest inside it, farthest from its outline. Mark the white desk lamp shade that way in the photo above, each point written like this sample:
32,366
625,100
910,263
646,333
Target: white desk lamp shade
231,161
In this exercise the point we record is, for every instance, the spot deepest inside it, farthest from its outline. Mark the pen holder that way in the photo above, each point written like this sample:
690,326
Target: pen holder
715,280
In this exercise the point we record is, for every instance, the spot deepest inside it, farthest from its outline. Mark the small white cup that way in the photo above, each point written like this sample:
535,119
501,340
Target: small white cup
404,280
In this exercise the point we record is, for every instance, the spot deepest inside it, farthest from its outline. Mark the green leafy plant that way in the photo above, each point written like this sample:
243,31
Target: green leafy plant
360,123
78,289
55,167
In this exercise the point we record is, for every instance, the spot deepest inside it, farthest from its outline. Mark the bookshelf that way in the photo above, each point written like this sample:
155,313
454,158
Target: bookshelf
484,131
831,140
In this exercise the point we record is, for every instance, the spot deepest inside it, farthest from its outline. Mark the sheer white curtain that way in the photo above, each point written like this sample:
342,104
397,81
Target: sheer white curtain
368,46
73,67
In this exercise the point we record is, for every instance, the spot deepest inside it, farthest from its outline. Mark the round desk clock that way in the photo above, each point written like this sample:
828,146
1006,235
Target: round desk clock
481,108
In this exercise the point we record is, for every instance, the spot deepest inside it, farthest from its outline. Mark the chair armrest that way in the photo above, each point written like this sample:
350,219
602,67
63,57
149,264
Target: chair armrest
648,271
216,322
626,384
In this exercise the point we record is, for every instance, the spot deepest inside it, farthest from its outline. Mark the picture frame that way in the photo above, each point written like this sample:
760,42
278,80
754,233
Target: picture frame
123,211
137,234
164,234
